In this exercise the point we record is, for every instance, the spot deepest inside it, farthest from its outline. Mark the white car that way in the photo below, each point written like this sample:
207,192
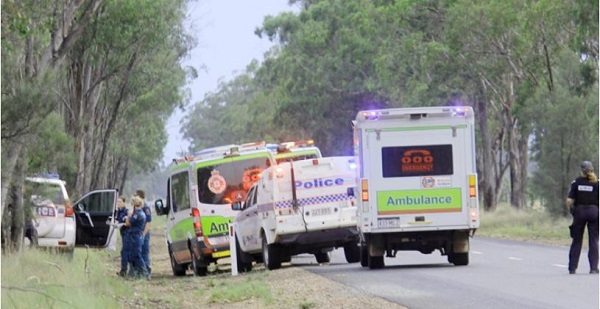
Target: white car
53,215
62,225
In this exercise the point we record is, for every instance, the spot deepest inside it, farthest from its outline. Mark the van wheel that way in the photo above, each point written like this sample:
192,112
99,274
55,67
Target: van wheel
459,259
271,255
376,262
364,255
322,257
244,261
199,268
352,252
178,270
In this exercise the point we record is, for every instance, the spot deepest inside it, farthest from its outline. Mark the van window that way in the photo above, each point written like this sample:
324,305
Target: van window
180,185
229,181
411,161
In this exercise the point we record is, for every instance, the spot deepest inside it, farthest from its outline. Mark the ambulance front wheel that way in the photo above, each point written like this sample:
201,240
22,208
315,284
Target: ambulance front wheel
376,262
271,255
459,259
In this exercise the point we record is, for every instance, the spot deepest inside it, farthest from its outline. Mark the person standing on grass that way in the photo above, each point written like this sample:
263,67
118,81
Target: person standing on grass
120,217
136,222
582,203
146,232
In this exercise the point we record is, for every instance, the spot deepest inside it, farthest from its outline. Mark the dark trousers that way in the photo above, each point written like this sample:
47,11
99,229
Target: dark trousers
125,251
582,216
146,252
138,269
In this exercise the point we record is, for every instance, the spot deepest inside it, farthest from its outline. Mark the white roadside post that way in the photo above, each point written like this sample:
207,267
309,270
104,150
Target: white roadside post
232,250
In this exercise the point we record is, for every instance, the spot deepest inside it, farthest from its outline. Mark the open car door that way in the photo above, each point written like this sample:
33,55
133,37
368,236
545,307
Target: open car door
94,215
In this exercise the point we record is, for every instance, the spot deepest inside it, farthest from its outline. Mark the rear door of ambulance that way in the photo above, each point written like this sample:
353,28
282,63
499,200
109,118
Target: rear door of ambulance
418,173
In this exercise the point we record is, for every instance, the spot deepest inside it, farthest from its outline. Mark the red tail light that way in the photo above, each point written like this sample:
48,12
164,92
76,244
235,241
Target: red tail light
197,222
69,212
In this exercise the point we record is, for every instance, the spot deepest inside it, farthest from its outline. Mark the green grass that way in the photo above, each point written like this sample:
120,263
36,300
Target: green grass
524,225
36,278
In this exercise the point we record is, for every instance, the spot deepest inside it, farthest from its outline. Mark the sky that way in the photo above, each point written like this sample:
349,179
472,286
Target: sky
224,30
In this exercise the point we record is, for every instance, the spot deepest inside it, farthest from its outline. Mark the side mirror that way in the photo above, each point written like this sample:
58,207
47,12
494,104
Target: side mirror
79,207
237,206
350,192
160,208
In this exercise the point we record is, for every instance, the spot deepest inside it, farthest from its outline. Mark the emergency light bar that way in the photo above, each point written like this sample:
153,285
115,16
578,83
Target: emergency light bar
416,113
286,146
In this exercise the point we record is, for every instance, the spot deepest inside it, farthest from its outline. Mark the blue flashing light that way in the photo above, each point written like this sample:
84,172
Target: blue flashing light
48,175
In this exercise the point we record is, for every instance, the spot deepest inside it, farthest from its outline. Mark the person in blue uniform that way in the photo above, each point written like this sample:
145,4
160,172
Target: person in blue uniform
146,233
136,222
582,202
120,216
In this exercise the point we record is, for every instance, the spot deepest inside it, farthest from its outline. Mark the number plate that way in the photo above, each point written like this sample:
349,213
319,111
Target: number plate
388,222
321,211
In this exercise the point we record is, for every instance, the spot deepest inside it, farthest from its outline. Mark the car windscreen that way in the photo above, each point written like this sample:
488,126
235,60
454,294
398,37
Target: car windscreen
38,192
229,180
297,157
422,160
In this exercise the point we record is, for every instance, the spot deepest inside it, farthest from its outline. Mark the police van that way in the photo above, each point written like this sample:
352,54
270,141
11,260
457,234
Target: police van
305,206
295,150
200,190
417,182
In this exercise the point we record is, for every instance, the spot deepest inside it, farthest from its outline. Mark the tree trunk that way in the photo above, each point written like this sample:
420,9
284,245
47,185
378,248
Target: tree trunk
486,176
11,153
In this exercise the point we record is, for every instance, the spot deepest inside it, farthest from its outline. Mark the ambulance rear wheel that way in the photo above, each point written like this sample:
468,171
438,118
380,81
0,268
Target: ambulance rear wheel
352,252
364,255
376,262
178,270
199,268
459,259
271,255
322,257
244,261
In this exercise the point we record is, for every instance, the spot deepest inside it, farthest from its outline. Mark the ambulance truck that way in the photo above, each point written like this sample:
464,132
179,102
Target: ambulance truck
305,206
416,181
200,190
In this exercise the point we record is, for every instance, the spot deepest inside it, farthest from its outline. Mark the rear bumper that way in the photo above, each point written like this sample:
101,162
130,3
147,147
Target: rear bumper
314,240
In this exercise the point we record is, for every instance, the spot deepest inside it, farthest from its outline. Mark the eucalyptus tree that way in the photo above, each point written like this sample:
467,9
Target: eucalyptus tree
36,35
129,49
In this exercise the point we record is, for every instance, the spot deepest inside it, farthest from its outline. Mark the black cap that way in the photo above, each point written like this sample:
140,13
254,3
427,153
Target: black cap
586,166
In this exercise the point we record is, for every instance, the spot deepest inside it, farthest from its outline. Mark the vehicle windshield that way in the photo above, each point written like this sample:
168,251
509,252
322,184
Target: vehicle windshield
38,192
229,180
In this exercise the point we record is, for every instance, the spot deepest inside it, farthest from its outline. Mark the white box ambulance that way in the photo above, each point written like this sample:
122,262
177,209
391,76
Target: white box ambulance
305,206
417,182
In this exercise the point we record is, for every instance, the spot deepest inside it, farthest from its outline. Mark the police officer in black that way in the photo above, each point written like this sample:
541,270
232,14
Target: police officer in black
582,202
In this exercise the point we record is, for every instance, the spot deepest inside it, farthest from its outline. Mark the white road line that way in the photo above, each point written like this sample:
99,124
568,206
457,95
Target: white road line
515,258
560,265
476,252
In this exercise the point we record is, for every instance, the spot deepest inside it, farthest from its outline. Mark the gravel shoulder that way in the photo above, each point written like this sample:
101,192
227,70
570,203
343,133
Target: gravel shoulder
288,287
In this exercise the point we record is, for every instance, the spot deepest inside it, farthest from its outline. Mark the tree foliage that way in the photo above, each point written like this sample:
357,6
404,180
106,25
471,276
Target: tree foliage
505,58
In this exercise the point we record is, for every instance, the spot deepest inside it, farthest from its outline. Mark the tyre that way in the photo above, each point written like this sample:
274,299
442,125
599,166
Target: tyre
178,270
376,262
200,269
244,261
271,255
322,257
352,252
364,255
459,259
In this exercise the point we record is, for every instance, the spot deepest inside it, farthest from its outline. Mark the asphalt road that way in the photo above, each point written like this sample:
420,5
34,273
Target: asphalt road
501,274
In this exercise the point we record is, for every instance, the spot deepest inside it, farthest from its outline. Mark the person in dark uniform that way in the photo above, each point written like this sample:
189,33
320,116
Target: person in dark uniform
146,232
582,202
120,216
136,222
